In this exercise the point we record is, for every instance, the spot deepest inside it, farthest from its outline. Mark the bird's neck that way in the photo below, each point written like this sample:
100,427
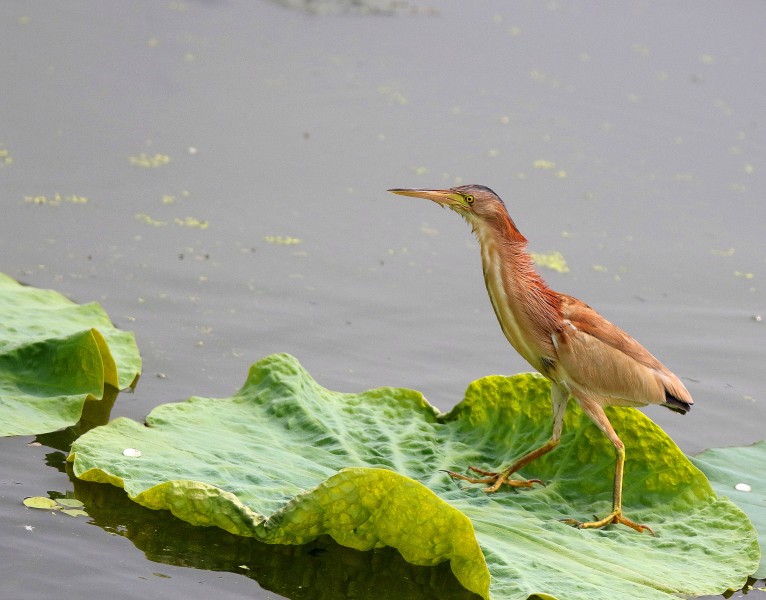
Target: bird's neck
527,309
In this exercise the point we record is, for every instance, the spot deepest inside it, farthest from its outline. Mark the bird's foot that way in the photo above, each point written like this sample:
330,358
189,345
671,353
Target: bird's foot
494,480
613,518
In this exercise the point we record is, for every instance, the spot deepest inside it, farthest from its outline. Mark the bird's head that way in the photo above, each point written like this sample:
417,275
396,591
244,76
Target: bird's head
475,203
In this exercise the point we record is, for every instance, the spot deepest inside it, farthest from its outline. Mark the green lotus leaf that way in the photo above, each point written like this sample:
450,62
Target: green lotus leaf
285,460
740,473
54,356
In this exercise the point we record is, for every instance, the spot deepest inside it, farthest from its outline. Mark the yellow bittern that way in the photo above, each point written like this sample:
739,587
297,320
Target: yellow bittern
579,351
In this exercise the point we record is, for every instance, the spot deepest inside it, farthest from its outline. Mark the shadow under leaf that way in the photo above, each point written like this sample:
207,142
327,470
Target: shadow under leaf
318,570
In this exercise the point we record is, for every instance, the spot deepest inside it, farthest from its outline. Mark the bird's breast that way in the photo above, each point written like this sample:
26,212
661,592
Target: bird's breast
508,303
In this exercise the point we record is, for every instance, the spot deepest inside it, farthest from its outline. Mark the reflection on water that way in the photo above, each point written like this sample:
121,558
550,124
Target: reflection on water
318,570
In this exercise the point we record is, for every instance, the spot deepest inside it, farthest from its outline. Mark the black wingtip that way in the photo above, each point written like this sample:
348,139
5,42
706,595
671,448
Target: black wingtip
676,404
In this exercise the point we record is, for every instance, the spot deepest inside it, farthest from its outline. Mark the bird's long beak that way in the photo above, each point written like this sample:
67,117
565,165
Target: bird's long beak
443,197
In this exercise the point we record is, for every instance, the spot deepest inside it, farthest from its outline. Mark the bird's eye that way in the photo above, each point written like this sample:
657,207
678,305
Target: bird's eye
468,198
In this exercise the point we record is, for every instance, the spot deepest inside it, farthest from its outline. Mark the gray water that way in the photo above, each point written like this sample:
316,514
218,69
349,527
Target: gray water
629,136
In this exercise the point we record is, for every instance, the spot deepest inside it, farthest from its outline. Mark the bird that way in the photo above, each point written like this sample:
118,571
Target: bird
584,356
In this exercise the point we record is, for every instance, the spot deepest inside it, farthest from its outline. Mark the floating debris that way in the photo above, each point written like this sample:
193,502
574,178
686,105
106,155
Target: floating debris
149,162
393,94
552,260
544,164
56,199
144,218
192,222
5,157
281,240
173,198
641,50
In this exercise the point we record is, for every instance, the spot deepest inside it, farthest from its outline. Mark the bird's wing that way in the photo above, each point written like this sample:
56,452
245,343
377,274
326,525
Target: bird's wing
602,358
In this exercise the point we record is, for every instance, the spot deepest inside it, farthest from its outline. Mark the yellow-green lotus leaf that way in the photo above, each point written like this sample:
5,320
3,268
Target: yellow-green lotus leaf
286,460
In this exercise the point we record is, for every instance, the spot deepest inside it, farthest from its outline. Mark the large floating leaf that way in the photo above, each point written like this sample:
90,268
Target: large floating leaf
740,473
285,460
55,355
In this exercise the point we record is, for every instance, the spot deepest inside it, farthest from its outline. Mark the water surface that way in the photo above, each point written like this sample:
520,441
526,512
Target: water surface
214,173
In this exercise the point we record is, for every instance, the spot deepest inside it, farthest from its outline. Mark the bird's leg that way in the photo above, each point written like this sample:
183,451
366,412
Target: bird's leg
615,517
596,412
496,479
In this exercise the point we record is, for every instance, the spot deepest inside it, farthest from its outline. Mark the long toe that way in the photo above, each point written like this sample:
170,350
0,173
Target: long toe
613,518
494,480
514,483
482,480
633,525
484,472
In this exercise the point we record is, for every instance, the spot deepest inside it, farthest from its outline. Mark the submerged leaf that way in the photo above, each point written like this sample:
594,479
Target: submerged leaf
285,460
740,474
70,502
55,355
74,512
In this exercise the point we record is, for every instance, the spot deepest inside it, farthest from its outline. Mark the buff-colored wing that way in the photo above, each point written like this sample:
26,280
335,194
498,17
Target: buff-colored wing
597,356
